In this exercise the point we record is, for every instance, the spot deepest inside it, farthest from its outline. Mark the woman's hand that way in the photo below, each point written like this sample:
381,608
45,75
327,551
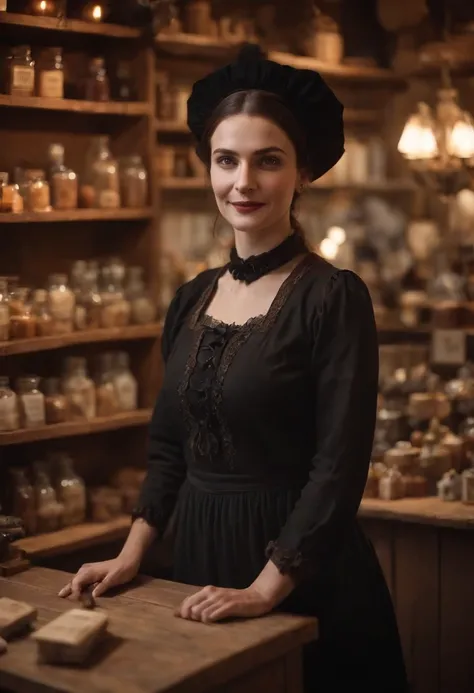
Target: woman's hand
215,603
104,575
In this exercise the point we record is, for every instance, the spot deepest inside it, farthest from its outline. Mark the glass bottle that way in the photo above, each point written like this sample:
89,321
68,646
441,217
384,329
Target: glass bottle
123,87
48,510
116,309
125,382
30,402
10,199
142,306
79,390
62,303
97,86
9,416
22,319
55,402
71,492
467,486
44,321
51,75
21,72
38,194
64,186
104,175
106,392
133,182
4,310
88,303
23,499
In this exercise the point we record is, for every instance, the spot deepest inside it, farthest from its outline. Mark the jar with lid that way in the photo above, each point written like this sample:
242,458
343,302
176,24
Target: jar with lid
51,74
71,492
21,72
10,199
30,402
9,415
55,402
88,303
22,318
106,392
116,309
79,389
23,499
38,195
103,174
391,485
449,486
142,306
125,383
44,320
97,87
64,186
62,303
467,486
49,511
403,456
133,182
4,310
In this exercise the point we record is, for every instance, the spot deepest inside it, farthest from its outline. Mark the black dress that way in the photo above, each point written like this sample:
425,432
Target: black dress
260,440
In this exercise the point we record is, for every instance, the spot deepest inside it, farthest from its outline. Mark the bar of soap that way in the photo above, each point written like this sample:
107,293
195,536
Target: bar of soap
70,638
15,616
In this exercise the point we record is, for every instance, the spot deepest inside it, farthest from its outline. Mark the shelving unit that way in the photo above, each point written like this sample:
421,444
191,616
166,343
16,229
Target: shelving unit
37,244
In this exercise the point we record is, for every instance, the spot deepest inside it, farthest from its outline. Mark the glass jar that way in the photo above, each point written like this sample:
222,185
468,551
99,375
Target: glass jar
391,485
64,186
79,390
11,201
97,86
126,385
116,310
143,309
62,303
71,492
30,402
43,319
55,402
51,75
9,416
23,499
467,486
4,310
38,195
49,511
133,182
106,392
88,303
104,175
21,72
22,319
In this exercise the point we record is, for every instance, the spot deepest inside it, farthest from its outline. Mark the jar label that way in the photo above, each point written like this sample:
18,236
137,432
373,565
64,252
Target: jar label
33,407
51,84
23,79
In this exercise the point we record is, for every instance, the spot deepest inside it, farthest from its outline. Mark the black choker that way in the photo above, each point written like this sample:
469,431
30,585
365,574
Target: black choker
256,266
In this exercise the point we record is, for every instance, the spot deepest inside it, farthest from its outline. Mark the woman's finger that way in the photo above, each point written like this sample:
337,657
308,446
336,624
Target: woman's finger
192,601
82,579
210,609
66,590
197,609
226,610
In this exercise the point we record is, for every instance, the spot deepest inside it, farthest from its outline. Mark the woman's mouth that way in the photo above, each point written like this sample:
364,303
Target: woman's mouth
247,207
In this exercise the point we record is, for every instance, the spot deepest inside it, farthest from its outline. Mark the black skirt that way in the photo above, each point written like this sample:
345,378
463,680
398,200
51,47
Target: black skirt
221,533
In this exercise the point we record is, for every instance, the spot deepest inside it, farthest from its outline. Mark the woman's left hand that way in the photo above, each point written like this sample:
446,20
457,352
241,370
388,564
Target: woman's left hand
215,603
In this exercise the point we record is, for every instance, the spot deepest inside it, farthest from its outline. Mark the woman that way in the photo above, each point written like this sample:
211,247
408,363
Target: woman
262,433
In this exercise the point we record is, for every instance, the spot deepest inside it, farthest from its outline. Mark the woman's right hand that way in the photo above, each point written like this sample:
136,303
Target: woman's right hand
103,575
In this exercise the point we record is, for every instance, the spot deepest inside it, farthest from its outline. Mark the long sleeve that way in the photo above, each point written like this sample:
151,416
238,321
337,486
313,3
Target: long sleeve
166,466
345,378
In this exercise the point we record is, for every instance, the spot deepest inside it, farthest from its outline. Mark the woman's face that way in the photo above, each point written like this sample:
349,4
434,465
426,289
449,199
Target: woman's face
254,173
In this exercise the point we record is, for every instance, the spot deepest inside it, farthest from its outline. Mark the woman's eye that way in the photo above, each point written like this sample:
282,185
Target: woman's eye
225,161
271,161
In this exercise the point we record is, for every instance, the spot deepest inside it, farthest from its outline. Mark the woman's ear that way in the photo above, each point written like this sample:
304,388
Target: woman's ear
303,181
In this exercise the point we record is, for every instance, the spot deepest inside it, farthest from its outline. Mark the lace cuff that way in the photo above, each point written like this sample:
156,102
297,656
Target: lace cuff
152,516
288,561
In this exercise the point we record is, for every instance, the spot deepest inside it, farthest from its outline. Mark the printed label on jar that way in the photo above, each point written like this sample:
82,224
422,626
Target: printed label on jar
51,84
23,79
34,410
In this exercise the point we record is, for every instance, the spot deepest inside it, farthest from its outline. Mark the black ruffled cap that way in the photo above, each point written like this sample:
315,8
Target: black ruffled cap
304,92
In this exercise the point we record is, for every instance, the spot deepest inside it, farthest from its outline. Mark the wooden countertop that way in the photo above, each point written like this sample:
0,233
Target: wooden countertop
426,511
149,649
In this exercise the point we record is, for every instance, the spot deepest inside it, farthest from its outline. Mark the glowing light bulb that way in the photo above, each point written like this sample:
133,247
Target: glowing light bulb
328,248
337,235
97,13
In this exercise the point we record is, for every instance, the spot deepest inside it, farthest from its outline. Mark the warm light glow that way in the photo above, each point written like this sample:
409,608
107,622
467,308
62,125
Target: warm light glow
418,140
460,141
43,5
328,248
337,235
97,13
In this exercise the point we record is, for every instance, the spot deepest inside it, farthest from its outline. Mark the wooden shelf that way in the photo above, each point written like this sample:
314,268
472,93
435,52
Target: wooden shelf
426,511
122,108
114,334
68,26
140,417
186,45
74,538
172,126
77,215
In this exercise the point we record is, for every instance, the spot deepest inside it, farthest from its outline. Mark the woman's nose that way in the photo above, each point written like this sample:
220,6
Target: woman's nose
245,179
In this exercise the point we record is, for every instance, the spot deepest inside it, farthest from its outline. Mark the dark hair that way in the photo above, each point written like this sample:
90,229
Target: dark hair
266,105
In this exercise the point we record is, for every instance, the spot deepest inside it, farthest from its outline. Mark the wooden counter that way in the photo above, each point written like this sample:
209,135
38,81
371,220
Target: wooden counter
150,650
423,511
